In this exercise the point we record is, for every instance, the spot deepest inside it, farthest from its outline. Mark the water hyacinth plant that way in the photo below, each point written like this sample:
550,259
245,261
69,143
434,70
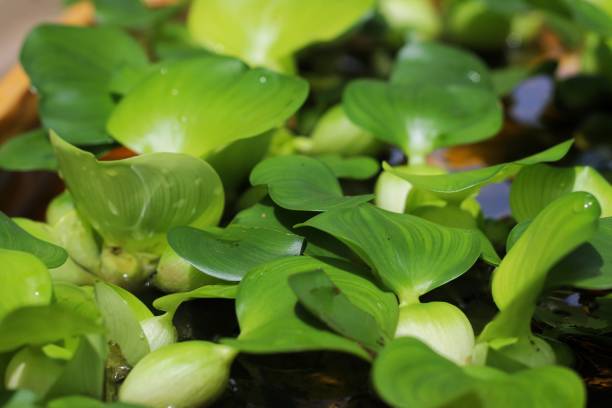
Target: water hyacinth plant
303,203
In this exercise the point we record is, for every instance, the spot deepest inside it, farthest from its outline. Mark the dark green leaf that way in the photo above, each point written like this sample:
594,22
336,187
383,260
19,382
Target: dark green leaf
357,168
302,183
27,152
231,252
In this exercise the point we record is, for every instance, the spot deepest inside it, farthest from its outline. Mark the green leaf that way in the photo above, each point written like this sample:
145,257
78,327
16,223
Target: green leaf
321,297
170,303
437,64
84,373
357,168
198,105
70,68
409,255
302,183
420,118
536,186
458,186
132,14
15,238
231,252
265,32
84,402
409,374
270,322
587,267
336,134
24,281
136,201
562,226
27,152
122,324
31,325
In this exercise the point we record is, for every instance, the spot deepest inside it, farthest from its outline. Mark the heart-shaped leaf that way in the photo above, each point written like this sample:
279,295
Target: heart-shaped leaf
536,186
14,237
411,256
357,168
438,64
266,32
317,293
302,183
271,323
198,105
135,201
27,152
24,281
231,252
409,374
70,68
458,186
420,118
562,226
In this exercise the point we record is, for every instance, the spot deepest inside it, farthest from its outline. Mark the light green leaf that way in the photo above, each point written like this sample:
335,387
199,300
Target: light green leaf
24,281
27,152
336,134
409,374
170,303
458,186
438,64
198,105
562,226
31,326
135,201
16,238
321,297
536,186
302,183
85,402
420,118
587,267
270,322
409,255
357,168
70,68
231,252
122,324
266,32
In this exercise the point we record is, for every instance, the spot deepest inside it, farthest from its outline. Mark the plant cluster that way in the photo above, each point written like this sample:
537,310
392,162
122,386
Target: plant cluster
221,199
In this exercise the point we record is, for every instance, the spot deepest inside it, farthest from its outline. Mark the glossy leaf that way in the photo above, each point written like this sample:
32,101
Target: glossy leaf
15,238
587,267
536,186
132,14
357,168
321,297
265,32
457,186
199,105
270,322
24,281
31,326
122,324
170,303
411,256
27,152
135,201
439,64
70,68
421,118
302,183
409,374
562,226
231,252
